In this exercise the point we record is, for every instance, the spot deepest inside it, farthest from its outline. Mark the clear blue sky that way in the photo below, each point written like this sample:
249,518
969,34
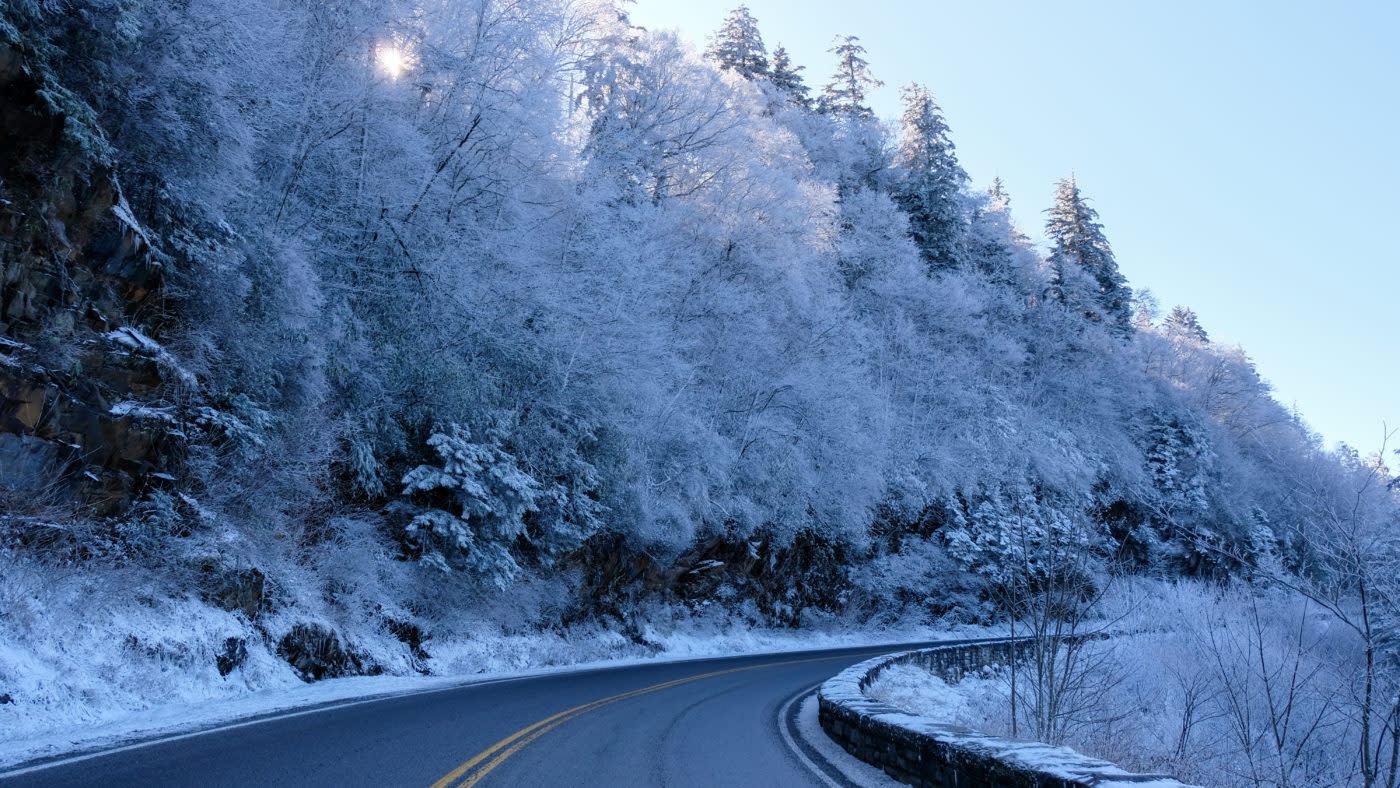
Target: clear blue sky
1243,156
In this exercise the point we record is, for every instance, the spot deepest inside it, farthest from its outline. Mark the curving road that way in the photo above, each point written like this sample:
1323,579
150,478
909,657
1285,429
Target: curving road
700,723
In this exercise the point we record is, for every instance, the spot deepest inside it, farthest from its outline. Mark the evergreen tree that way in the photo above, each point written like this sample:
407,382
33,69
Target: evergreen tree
468,512
1180,464
930,181
992,243
846,93
1000,205
1001,199
785,77
1182,322
737,45
1079,248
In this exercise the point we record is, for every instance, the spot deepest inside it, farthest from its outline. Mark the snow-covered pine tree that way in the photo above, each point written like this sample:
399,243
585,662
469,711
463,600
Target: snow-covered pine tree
846,93
738,46
1077,239
1000,205
1180,461
468,511
930,181
1182,323
785,77
1001,199
994,245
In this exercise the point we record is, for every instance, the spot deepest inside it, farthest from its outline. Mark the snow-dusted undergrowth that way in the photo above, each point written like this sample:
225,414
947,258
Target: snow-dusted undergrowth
977,701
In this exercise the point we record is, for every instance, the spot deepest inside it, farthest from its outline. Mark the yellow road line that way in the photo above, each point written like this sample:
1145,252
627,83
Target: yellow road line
517,741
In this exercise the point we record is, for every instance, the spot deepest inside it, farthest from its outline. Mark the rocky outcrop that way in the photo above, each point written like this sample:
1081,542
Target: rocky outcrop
81,378
316,653
232,657
784,579
233,590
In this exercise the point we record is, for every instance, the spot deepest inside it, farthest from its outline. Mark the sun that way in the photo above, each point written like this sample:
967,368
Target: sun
391,60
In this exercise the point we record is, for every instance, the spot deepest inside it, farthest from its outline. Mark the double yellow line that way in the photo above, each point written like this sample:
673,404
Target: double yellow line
471,772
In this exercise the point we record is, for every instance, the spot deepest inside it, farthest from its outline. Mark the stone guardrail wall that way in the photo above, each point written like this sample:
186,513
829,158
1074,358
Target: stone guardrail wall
924,752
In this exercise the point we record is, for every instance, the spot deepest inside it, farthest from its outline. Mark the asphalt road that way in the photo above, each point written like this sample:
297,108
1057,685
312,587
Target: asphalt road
709,722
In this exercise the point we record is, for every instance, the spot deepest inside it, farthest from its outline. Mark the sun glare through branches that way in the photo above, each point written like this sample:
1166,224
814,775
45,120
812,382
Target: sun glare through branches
392,60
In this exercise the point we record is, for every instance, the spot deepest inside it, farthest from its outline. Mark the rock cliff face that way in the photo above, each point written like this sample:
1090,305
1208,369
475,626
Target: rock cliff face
80,300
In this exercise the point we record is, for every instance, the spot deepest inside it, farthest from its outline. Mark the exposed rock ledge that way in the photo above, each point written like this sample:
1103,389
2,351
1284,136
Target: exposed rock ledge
77,277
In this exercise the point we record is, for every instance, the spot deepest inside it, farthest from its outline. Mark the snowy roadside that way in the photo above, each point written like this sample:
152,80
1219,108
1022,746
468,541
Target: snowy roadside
20,747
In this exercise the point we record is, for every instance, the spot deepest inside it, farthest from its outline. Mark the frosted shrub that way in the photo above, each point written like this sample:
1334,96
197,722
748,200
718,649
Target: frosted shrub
154,520
364,468
240,424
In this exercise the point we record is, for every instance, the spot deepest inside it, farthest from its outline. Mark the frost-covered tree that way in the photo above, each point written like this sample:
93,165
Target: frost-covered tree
1078,245
1182,323
1043,562
737,46
1342,554
788,78
1011,532
996,248
869,248
849,88
1001,199
654,111
1181,467
929,181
